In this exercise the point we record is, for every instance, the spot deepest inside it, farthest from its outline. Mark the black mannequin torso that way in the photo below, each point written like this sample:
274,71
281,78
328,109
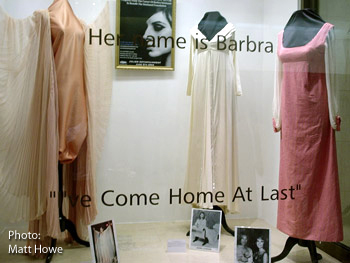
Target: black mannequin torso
211,24
301,28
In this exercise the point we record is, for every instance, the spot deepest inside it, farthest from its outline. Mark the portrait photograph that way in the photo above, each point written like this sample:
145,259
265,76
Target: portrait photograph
252,245
205,230
103,242
145,34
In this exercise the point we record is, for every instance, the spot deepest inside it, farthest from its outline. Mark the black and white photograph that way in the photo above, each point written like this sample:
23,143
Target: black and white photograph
252,245
146,34
205,229
103,242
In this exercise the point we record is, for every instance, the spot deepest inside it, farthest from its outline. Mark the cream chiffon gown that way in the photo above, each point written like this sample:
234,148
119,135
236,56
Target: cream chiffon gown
54,106
214,83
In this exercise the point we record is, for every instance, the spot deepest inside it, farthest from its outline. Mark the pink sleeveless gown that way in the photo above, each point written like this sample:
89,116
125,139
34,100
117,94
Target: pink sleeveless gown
308,150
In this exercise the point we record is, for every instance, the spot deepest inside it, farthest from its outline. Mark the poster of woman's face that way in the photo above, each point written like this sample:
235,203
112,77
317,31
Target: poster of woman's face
205,229
252,245
103,242
146,35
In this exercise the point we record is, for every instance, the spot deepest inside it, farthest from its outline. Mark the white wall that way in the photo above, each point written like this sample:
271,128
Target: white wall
146,149
147,139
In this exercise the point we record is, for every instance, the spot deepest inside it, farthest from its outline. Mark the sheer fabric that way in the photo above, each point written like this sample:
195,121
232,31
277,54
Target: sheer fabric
79,176
29,123
28,126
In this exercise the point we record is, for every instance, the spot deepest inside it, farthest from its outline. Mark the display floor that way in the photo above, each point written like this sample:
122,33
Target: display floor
346,226
147,243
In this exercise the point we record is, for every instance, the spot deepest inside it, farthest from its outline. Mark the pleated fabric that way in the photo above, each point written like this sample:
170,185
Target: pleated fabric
30,145
28,119
79,176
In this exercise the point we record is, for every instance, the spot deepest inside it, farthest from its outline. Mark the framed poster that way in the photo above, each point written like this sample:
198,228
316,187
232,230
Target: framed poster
205,230
103,242
252,245
145,34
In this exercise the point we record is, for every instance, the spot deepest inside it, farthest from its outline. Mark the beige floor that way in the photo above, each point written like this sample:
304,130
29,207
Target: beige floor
147,243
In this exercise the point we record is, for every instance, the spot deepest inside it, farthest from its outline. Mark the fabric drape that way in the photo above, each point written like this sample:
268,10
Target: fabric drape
213,83
32,91
308,157
28,119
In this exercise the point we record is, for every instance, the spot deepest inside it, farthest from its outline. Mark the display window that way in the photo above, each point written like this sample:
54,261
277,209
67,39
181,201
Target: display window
174,131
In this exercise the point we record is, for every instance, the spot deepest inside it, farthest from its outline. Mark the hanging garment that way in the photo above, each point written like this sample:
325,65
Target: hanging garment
213,83
98,76
28,119
67,34
32,145
79,175
305,112
105,248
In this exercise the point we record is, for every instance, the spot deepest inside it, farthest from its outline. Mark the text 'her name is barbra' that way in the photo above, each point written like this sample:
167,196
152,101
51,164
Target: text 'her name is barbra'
234,45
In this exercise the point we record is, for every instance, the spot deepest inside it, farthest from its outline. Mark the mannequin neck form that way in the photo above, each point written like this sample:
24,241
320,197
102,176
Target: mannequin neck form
301,28
213,16
211,23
